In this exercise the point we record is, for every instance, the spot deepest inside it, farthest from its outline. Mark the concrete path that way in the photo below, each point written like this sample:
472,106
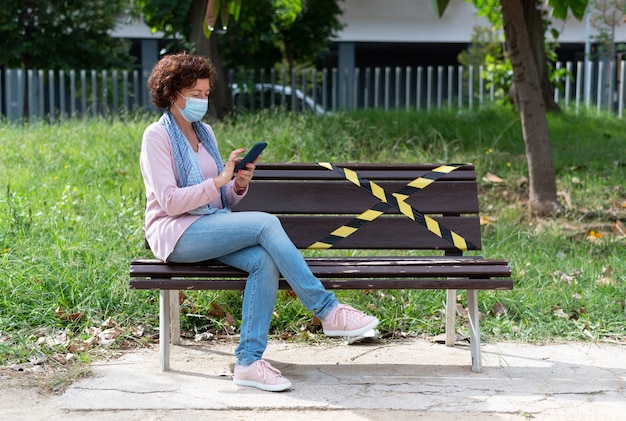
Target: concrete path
370,381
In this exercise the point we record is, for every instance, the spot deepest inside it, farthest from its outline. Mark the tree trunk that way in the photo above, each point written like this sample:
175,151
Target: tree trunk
221,103
536,36
542,179
536,33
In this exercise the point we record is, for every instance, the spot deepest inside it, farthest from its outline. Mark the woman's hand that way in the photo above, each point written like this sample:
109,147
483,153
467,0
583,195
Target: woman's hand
242,178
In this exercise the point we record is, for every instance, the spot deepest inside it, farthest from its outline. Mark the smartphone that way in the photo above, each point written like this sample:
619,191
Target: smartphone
252,154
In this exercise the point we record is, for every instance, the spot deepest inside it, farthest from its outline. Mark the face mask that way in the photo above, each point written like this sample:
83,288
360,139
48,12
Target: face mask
195,109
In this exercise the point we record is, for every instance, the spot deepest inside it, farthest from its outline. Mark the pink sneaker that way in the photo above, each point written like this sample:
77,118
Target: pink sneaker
343,320
262,375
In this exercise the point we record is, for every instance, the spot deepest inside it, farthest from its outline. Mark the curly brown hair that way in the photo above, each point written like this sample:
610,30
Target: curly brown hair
176,72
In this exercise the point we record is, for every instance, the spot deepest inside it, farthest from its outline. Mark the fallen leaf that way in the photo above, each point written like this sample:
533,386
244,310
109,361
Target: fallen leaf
498,309
204,336
619,229
61,338
216,310
63,358
606,278
492,178
80,346
566,197
486,220
109,323
137,331
594,235
63,315
291,294
108,336
557,275
462,311
229,320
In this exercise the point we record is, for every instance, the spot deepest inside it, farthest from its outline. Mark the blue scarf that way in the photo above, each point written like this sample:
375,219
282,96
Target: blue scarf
187,165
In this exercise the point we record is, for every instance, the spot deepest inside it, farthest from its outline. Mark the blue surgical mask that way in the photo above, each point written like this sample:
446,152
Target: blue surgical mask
195,109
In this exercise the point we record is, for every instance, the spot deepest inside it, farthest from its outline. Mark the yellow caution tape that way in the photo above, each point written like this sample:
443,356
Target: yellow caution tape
396,200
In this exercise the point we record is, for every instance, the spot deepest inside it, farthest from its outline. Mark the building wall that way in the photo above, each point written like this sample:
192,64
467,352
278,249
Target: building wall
415,21
407,21
392,33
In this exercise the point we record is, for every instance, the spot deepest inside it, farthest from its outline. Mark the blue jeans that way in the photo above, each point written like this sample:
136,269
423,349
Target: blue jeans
256,243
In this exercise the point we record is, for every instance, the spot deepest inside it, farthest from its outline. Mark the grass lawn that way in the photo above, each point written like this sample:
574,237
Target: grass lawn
71,210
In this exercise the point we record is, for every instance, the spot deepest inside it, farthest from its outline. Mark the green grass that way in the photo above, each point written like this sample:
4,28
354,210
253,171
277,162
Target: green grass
71,214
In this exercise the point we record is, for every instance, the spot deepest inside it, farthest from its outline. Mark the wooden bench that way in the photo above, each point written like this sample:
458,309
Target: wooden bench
389,207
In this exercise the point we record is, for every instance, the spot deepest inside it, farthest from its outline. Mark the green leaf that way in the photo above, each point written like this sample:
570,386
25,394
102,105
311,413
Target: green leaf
235,9
206,30
225,13
440,6
579,8
561,7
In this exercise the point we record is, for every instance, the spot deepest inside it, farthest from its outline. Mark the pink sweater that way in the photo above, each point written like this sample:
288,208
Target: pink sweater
166,217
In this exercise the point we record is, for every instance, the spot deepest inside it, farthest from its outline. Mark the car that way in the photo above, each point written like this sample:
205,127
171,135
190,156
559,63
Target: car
267,95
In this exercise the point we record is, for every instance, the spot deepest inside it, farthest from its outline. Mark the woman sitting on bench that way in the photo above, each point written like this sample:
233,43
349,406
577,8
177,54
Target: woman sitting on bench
189,191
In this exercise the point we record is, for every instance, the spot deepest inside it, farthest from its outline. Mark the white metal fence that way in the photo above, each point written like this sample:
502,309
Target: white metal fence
54,95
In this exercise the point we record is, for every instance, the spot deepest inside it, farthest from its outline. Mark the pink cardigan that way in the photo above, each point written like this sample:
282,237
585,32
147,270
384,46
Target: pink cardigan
166,217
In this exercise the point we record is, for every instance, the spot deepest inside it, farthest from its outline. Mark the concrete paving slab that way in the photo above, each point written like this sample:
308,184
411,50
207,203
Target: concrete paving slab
402,379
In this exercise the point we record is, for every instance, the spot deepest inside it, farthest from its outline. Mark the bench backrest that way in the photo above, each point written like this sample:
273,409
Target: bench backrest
313,201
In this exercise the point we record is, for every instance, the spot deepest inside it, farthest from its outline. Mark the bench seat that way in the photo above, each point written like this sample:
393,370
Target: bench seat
381,272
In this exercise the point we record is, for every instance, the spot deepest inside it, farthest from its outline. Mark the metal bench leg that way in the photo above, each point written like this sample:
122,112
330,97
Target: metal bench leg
450,317
174,318
164,328
472,307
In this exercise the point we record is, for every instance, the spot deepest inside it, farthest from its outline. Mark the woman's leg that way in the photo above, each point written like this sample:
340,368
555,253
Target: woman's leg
220,234
258,301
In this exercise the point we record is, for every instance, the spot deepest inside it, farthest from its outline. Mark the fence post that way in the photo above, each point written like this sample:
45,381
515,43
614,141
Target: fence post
460,87
30,82
439,87
407,88
366,88
622,88
51,99
450,85
62,106
429,85
599,88
470,87
418,87
72,93
114,87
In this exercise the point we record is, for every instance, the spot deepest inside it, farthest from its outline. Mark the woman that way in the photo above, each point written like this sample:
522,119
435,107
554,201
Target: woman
189,191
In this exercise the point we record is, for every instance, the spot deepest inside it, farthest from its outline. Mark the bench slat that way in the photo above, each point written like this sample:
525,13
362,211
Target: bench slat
339,197
384,233
336,268
345,284
311,171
